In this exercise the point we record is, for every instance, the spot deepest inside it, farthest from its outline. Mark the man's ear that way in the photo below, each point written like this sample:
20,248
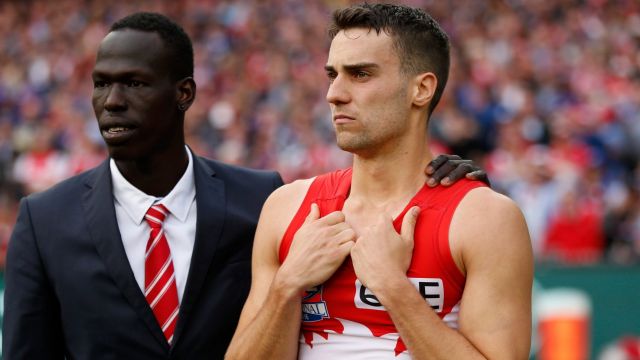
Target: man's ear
186,93
424,88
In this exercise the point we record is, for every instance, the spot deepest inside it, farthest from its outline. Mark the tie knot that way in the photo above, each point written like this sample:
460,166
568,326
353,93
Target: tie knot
156,215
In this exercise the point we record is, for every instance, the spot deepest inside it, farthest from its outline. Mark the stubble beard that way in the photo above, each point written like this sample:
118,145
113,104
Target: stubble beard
367,142
352,142
371,136
376,138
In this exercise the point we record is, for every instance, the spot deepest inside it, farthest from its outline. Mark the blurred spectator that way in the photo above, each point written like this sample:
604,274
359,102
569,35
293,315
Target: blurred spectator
575,232
622,227
545,94
537,193
40,166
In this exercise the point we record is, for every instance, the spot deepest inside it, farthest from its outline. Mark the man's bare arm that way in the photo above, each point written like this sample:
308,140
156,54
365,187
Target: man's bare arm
491,241
276,334
496,252
269,326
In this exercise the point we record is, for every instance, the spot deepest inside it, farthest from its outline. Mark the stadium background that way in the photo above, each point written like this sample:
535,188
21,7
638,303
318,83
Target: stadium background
543,94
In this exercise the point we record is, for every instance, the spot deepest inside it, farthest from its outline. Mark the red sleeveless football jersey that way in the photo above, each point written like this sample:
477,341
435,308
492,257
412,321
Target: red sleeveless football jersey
343,319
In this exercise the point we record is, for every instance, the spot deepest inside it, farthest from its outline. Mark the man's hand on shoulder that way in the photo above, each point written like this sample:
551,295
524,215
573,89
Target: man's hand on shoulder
447,169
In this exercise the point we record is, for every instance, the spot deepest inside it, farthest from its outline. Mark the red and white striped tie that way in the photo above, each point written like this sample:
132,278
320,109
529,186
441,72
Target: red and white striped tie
159,278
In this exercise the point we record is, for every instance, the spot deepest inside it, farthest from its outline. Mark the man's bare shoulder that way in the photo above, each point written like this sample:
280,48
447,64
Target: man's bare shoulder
288,198
288,192
483,201
281,207
488,223
484,213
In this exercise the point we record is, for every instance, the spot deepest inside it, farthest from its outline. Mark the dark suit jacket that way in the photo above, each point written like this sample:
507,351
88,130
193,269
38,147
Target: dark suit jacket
70,290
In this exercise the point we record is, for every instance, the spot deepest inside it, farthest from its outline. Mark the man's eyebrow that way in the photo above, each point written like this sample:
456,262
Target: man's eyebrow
120,74
360,66
354,67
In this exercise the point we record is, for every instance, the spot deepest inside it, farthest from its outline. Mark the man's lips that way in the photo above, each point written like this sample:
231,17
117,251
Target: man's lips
340,119
114,134
117,129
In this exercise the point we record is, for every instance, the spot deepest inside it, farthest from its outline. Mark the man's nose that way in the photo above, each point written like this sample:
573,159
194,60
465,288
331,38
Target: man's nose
338,92
116,100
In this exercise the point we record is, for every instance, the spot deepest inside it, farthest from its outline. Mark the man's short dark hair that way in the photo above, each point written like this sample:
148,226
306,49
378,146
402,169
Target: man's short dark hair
420,42
174,37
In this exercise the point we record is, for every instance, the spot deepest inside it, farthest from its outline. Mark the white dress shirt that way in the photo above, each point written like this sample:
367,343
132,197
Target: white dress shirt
179,226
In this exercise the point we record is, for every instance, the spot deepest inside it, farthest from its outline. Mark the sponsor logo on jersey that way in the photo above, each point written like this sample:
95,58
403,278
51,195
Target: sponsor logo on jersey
430,289
314,308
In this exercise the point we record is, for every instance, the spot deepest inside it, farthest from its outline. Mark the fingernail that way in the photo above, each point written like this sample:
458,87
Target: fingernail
446,181
431,182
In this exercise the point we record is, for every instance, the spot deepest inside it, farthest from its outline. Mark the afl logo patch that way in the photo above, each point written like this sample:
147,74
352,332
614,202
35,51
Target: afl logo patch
314,308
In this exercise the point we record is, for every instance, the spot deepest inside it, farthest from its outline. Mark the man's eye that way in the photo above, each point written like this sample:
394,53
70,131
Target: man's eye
360,74
100,84
135,83
331,76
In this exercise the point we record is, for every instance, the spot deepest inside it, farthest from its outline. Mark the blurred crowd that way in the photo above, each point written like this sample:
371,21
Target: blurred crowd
544,94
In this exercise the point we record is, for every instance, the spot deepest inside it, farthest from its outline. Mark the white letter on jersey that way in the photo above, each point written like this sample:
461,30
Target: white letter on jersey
430,289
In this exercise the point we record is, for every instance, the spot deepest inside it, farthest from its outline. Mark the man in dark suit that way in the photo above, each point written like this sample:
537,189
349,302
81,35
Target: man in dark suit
76,263
147,256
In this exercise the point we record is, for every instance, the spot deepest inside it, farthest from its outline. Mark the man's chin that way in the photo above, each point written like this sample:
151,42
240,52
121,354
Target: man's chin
121,154
350,146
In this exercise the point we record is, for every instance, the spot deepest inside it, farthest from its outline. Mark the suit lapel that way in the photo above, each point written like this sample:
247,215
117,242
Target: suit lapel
103,228
211,209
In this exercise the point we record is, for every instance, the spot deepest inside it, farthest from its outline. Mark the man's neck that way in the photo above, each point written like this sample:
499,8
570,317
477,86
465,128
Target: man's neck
156,175
392,176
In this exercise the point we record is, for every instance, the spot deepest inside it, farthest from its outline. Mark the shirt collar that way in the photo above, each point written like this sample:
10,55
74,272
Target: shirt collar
136,203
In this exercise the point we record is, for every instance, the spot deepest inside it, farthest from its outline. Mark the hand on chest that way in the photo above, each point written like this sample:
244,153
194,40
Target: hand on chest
381,253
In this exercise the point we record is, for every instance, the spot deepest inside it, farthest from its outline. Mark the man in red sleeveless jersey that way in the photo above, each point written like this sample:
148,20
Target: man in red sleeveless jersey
369,262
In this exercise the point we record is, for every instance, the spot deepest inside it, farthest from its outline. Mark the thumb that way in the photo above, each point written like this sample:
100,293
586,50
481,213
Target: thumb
314,214
409,224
